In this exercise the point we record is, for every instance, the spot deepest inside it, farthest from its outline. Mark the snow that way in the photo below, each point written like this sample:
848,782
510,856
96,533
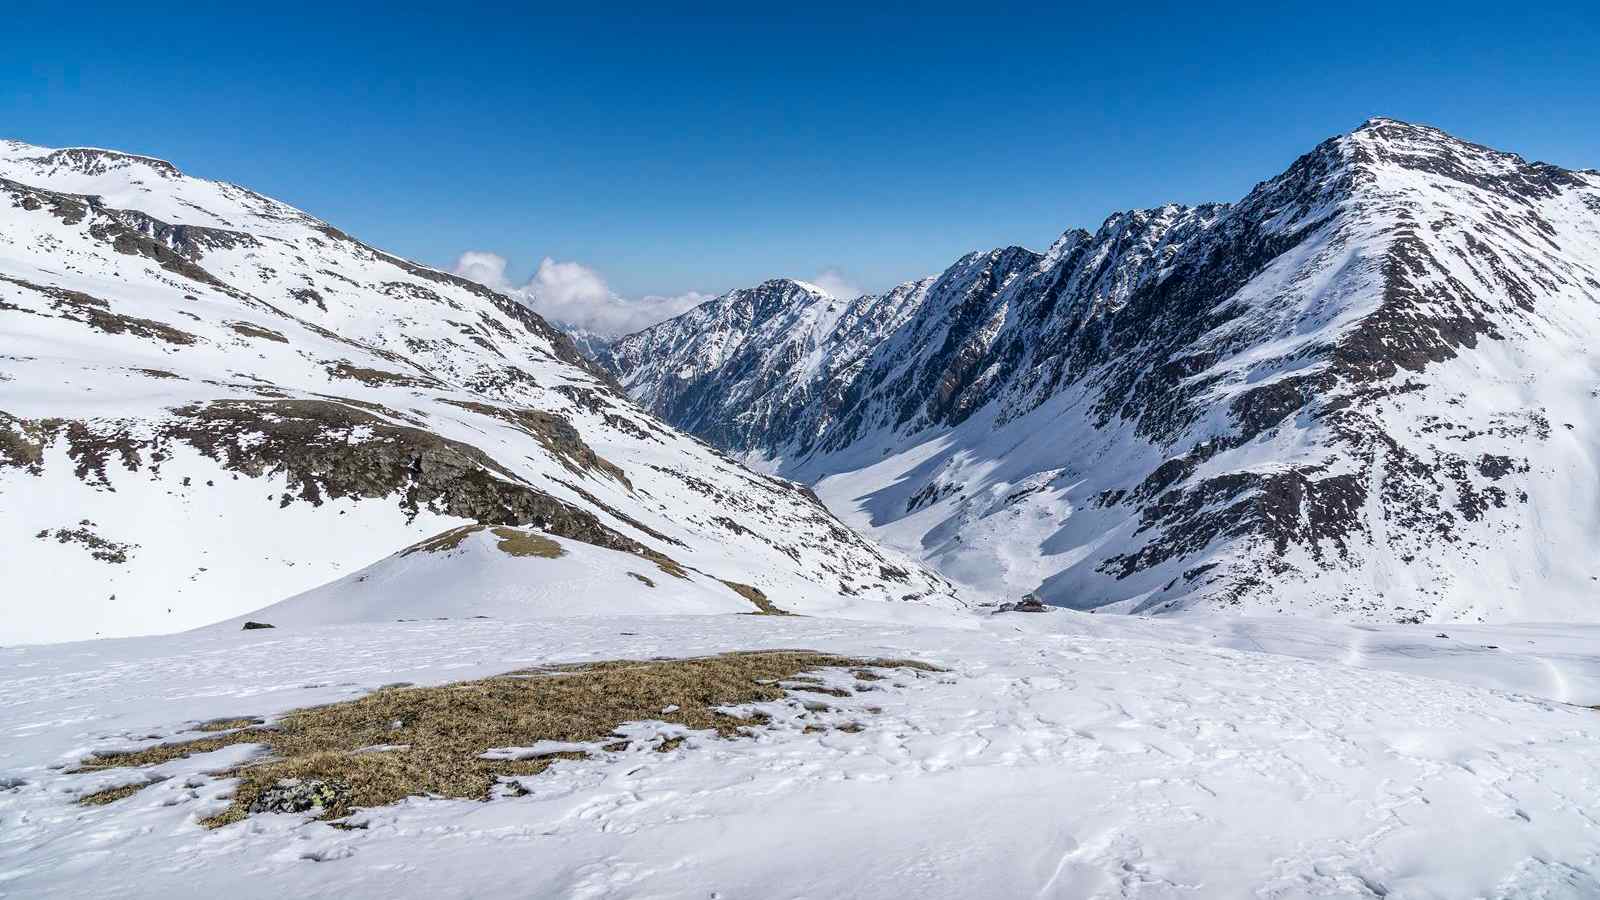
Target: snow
478,579
287,304
176,583
1062,755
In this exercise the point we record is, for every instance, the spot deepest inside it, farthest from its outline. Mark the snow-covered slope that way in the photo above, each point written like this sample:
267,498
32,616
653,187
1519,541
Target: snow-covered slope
1045,763
210,401
505,573
1365,391
499,572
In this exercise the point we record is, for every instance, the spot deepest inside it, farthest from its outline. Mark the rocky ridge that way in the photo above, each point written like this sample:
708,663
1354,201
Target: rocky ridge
1362,391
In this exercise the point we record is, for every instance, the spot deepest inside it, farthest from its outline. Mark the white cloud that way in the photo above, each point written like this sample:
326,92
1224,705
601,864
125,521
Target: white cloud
488,269
574,296
837,285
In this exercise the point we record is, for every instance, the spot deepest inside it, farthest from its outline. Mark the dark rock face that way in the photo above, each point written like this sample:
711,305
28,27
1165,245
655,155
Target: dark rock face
311,443
1250,389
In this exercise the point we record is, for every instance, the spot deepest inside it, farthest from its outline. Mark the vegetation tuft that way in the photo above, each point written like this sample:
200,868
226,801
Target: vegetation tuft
249,329
112,795
764,607
516,542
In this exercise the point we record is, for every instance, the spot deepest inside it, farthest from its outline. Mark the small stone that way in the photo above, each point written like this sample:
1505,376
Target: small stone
297,795
252,626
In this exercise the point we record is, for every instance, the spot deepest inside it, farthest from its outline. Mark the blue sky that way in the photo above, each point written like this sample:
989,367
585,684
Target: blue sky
706,151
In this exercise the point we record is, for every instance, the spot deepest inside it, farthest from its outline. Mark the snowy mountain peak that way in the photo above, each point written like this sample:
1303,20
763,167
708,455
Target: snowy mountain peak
86,162
1333,396
1379,121
805,286
774,295
154,187
1392,147
95,161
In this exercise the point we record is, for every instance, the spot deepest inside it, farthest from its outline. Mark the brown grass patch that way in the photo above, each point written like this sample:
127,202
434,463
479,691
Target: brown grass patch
432,738
444,541
755,595
249,329
228,724
112,795
518,542
379,377
666,563
161,753
515,542
641,579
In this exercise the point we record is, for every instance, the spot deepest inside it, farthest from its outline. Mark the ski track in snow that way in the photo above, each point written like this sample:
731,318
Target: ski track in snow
1062,755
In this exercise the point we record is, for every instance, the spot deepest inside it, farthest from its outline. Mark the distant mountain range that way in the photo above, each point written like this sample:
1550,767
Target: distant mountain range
1367,390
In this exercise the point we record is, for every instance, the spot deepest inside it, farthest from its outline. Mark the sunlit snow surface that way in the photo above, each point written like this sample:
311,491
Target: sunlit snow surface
1062,755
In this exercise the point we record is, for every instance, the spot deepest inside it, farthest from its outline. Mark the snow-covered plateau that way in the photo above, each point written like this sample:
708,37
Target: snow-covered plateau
1060,755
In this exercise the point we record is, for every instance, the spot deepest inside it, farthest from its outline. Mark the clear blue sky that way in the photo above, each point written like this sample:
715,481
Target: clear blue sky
706,151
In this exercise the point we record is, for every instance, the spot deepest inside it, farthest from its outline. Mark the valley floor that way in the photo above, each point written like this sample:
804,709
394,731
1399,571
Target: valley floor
1061,755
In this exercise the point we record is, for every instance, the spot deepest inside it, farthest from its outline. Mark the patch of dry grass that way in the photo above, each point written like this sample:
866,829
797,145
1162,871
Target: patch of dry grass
249,329
444,541
378,377
228,724
666,563
160,753
755,595
519,542
433,738
515,542
112,795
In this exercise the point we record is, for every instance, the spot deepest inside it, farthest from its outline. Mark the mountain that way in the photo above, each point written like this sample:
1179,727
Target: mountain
1365,391
211,401
588,343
